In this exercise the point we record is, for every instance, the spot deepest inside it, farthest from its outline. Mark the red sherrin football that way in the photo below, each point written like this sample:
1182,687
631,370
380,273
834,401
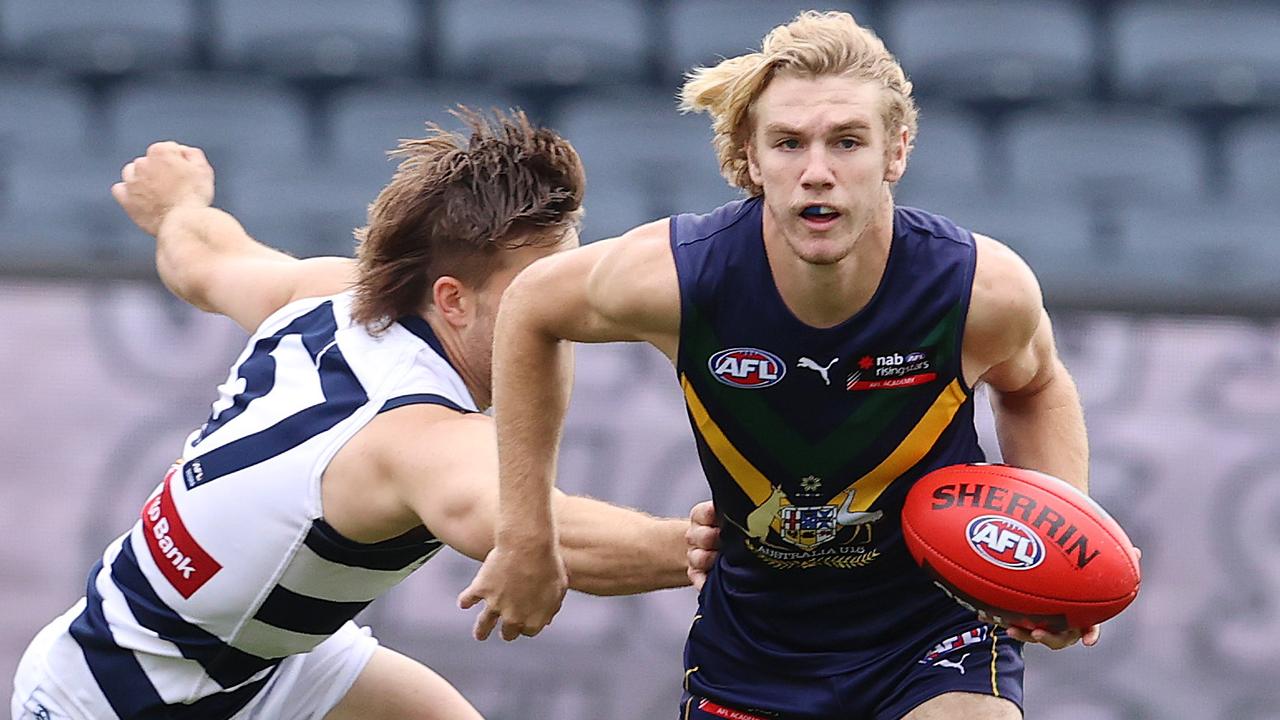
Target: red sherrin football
1024,546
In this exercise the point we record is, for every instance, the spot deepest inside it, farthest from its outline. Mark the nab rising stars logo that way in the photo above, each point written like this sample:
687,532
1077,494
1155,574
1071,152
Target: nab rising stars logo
747,367
1005,542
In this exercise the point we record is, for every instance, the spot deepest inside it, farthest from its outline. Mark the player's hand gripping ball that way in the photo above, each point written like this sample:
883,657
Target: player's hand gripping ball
1024,547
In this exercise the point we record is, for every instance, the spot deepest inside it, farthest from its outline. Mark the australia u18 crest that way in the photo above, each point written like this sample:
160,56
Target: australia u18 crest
807,526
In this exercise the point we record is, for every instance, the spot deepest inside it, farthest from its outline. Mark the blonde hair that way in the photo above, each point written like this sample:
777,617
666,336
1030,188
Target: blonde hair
812,45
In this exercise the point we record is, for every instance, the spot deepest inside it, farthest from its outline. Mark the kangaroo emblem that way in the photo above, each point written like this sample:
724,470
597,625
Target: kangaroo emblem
805,362
957,664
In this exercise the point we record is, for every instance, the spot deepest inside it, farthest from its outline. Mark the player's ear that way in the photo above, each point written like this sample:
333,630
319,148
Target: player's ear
753,167
897,155
453,301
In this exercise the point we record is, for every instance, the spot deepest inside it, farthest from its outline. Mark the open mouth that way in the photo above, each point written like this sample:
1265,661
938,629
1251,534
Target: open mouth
819,215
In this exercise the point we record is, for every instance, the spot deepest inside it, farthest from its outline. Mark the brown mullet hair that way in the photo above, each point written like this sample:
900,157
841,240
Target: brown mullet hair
455,203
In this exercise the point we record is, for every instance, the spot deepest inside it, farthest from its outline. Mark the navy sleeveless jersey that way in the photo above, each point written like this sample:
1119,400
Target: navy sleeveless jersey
810,439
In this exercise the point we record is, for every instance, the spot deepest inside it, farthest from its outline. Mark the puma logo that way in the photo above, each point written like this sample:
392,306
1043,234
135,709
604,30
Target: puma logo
820,369
957,664
844,517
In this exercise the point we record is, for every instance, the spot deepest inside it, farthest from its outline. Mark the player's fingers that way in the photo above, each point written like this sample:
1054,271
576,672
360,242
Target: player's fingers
1056,641
704,513
120,192
194,154
701,559
471,595
1091,636
513,630
696,578
127,172
1019,634
700,536
485,624
156,149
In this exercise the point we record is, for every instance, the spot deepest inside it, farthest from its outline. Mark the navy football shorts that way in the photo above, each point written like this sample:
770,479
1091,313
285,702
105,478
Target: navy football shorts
966,657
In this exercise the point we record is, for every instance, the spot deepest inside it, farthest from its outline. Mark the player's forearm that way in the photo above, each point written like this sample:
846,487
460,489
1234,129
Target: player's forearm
611,550
532,371
191,240
1044,429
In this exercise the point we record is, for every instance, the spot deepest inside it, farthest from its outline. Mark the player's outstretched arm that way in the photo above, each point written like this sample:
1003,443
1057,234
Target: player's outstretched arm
620,289
450,485
203,254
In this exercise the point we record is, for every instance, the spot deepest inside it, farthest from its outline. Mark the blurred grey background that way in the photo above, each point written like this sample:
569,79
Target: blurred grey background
1130,150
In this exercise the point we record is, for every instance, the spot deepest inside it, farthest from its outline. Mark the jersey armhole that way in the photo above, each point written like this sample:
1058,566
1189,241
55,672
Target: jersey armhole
422,399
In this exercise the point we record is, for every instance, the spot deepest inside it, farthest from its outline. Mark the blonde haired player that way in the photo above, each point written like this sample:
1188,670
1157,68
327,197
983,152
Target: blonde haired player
814,609
344,450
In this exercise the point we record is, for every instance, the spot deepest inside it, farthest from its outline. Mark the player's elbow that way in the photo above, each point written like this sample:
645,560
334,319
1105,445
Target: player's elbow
179,273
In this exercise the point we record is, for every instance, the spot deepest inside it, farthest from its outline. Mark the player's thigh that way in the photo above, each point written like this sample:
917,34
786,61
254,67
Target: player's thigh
393,686
965,706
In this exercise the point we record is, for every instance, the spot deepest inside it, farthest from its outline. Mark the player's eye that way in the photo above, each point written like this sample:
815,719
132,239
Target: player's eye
788,143
848,143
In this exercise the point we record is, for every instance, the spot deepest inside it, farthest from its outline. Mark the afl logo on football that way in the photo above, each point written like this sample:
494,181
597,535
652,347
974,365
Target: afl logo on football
747,367
1005,542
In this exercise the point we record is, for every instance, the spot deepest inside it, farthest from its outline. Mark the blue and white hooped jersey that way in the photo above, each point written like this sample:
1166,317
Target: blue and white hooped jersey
231,567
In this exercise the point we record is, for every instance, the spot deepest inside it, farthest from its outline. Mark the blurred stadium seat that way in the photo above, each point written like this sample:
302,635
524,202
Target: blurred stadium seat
318,38
42,114
1105,154
303,208
367,121
951,153
100,37
547,43
1200,257
994,50
1253,159
59,218
613,206
1059,238
637,142
740,25
230,118
84,85
1197,54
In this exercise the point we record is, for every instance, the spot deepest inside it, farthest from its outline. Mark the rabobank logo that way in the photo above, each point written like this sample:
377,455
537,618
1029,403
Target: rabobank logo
1005,542
747,367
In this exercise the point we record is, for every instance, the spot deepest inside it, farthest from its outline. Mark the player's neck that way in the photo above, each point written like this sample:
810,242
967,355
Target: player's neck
825,295
451,341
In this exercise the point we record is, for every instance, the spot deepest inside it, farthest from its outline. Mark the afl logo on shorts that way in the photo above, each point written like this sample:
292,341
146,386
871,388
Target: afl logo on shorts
1005,542
747,367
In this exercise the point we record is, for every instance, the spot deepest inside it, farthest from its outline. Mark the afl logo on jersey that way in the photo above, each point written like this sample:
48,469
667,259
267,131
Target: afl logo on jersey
1005,542
747,367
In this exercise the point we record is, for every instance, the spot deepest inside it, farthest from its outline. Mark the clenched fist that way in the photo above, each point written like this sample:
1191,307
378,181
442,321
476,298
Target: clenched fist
168,176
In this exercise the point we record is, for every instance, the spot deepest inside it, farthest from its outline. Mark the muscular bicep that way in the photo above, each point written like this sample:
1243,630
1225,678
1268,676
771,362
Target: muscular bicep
621,289
445,468
1008,338
1031,364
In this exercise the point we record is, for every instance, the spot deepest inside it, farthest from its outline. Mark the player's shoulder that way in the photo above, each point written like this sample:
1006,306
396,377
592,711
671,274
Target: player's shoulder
687,229
926,223
1006,304
638,262
395,439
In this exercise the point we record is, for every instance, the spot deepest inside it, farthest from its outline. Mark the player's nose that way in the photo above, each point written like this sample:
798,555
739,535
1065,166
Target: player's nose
817,169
